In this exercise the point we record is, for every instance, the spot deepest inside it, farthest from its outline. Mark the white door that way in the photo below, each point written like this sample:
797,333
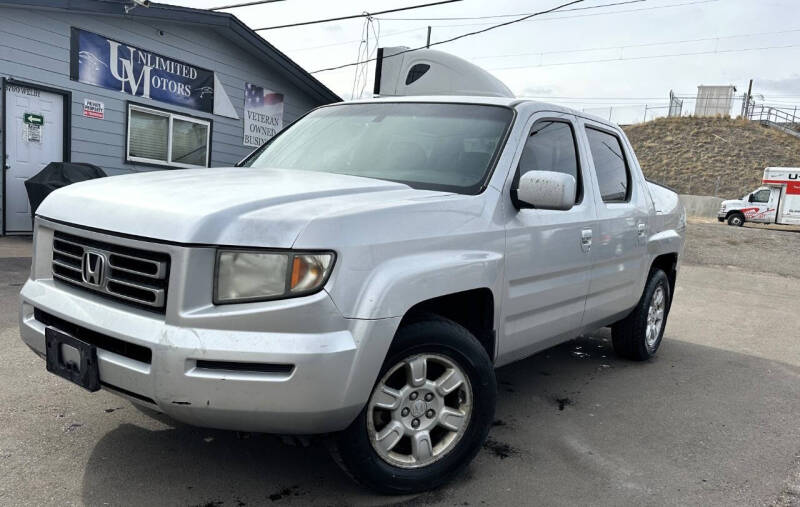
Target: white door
34,138
762,205
772,204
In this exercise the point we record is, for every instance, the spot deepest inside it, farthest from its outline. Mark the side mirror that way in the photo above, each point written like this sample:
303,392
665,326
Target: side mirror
750,198
547,190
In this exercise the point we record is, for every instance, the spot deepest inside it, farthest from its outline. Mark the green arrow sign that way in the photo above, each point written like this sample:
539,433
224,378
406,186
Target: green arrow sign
33,119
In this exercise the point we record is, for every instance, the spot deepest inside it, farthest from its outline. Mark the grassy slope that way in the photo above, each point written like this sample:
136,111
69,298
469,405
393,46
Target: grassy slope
692,154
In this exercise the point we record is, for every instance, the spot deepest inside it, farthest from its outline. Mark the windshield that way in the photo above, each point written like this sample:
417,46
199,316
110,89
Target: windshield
424,145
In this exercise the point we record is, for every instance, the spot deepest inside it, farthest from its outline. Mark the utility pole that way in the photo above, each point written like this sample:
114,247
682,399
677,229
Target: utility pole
747,100
428,44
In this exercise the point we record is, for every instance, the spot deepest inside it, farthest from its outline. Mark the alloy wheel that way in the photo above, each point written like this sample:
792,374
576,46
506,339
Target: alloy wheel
419,410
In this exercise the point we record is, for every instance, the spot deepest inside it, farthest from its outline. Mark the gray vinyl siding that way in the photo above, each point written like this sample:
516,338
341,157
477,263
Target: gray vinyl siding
35,47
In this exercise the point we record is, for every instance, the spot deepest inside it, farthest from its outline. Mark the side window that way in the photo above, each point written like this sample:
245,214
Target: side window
416,72
551,147
761,196
613,174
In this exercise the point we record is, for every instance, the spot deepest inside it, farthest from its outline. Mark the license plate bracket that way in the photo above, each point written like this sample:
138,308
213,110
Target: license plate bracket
72,359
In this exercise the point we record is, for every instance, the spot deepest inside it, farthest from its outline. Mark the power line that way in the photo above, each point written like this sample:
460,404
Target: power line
559,17
607,60
245,4
456,37
388,34
647,44
354,16
624,11
384,35
503,15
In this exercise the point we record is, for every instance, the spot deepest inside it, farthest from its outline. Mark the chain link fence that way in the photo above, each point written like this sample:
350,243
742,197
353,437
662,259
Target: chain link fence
675,105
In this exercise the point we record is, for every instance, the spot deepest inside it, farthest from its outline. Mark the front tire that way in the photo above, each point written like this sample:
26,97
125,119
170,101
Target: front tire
736,220
428,414
639,335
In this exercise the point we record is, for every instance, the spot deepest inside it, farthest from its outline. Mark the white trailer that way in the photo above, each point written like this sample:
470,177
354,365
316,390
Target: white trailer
777,201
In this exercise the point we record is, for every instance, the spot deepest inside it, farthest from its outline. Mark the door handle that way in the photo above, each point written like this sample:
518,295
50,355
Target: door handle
641,237
586,240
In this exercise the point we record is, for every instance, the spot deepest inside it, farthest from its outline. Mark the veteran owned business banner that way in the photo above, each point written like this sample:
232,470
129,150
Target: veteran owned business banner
101,61
263,114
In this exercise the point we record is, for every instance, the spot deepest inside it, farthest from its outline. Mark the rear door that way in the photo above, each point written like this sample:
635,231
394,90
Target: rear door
619,249
773,203
547,265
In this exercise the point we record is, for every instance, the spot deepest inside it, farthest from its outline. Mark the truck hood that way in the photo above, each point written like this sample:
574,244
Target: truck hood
229,206
734,202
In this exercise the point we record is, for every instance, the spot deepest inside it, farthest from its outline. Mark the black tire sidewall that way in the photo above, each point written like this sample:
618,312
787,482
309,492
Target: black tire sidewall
736,215
438,336
657,279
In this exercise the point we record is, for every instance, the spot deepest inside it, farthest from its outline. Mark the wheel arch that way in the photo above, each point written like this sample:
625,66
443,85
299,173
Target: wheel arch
668,263
473,309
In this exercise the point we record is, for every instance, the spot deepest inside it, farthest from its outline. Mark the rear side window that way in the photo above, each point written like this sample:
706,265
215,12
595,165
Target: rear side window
551,147
613,174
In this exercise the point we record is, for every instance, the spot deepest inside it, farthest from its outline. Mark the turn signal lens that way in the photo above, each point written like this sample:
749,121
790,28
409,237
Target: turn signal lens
309,271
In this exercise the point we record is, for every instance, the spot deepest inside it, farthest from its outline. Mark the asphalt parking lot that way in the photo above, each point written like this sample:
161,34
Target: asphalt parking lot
713,420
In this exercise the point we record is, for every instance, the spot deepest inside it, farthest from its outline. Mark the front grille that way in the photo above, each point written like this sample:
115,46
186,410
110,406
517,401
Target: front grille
134,276
99,340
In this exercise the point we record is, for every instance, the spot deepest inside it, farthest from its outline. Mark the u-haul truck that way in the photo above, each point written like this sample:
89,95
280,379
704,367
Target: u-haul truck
777,201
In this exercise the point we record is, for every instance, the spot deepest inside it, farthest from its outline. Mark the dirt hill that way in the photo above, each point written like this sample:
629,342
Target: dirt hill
702,156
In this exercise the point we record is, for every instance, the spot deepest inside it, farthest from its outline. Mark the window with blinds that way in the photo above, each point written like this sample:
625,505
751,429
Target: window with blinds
164,138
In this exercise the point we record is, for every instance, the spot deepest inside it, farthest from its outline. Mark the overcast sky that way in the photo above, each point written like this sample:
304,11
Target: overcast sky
594,59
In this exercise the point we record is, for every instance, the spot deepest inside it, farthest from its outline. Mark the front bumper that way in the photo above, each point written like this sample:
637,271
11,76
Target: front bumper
335,360
323,392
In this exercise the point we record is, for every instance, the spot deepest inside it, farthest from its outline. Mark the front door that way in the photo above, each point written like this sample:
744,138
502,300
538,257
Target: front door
34,138
759,207
548,252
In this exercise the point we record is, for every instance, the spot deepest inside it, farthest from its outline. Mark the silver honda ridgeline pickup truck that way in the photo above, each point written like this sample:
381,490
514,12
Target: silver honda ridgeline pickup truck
361,275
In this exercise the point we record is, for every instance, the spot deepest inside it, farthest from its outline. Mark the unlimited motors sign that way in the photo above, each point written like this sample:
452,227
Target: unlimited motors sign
100,61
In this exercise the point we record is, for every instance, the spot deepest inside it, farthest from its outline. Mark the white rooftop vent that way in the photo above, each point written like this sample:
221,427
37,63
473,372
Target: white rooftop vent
431,72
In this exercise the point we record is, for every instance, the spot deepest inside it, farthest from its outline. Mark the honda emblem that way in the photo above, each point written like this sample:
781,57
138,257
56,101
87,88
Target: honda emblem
93,267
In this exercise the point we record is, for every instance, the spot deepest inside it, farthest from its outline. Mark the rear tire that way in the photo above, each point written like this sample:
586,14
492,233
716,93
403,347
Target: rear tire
639,335
736,220
422,424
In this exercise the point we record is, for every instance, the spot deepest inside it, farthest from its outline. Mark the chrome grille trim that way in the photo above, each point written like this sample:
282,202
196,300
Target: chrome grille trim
131,275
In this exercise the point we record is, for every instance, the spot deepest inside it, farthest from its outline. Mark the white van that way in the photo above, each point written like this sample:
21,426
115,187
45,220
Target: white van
777,201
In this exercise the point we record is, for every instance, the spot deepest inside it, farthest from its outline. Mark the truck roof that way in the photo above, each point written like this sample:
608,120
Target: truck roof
512,102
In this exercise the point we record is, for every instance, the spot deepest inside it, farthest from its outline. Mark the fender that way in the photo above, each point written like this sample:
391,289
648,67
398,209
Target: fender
664,242
396,285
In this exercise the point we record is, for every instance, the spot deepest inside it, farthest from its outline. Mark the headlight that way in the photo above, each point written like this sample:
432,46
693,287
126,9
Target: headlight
242,276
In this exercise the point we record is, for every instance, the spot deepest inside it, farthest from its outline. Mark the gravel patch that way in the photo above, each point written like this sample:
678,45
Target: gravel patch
752,247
